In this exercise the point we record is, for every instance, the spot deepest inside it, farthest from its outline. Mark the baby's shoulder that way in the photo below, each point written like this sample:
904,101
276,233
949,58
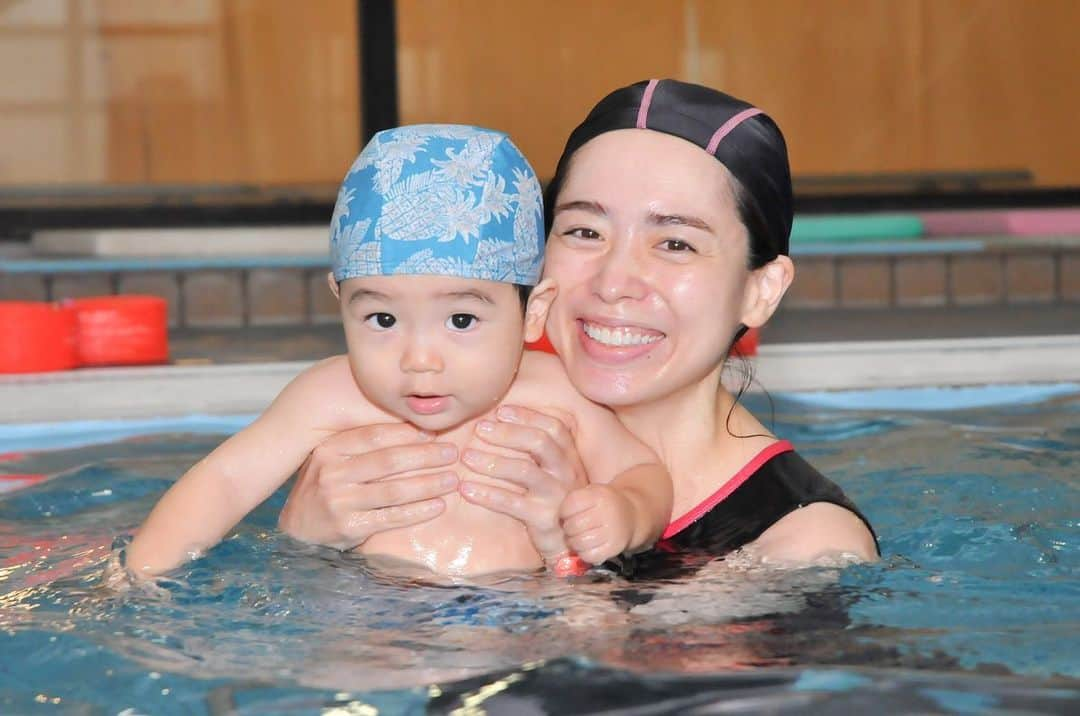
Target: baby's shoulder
327,396
543,370
542,382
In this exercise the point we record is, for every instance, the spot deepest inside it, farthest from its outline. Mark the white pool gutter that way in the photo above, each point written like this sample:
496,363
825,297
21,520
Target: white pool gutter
167,391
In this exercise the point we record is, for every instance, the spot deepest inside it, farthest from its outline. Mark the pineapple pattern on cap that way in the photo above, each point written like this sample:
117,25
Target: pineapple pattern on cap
439,199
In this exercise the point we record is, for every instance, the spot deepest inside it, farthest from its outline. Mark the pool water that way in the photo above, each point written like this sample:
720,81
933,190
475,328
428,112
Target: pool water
975,606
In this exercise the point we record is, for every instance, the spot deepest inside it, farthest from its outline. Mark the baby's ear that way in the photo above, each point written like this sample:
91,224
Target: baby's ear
333,284
536,311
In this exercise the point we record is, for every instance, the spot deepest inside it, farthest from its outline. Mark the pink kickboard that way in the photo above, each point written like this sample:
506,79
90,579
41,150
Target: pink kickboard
965,223
1044,222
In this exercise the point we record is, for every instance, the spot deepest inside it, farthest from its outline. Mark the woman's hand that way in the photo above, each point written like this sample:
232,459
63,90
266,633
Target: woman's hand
549,470
340,498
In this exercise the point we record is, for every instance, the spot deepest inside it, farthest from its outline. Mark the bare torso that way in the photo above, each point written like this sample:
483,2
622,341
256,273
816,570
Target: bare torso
464,539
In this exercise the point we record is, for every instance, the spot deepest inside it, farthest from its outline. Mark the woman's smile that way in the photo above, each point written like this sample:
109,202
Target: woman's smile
616,343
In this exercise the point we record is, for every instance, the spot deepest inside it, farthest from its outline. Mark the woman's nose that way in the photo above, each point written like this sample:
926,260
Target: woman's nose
619,276
421,356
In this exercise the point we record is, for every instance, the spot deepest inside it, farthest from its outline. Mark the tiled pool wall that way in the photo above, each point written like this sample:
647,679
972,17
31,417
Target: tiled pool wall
243,291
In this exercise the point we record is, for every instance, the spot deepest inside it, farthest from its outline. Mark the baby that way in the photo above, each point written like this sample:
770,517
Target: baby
435,242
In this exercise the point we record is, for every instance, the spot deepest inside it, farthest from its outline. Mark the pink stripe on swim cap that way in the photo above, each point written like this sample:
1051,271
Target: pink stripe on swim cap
646,100
727,126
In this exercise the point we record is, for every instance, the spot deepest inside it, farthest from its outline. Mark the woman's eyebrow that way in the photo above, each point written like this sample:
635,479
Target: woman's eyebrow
592,207
679,220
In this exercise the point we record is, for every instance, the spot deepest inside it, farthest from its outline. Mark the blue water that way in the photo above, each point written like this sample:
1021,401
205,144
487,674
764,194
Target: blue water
975,607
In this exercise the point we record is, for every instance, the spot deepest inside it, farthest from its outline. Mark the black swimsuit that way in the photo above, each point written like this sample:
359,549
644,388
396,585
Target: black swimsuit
774,483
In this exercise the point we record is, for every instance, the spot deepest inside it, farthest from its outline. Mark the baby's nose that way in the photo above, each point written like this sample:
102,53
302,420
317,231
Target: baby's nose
420,356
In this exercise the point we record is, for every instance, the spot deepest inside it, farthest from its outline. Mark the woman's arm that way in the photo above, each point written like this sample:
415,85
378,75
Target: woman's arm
820,531
340,500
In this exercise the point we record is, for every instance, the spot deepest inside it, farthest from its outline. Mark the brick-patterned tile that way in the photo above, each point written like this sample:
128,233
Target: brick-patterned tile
976,280
1070,277
1030,278
76,286
920,281
213,298
814,285
324,307
277,297
864,282
22,287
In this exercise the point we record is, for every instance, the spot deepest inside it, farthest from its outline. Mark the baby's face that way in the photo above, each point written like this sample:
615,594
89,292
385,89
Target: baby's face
433,350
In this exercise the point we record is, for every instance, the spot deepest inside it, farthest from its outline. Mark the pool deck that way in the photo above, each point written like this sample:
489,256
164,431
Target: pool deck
239,370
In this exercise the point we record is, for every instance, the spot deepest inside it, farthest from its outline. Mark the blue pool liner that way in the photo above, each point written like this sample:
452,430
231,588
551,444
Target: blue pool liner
62,435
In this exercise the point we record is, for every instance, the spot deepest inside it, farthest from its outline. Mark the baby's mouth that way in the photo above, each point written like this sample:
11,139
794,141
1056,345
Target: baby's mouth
426,403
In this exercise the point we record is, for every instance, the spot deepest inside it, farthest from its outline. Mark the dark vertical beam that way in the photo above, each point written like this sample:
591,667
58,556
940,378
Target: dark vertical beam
378,66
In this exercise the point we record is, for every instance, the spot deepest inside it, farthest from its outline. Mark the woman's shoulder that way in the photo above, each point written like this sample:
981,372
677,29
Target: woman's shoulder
766,503
822,524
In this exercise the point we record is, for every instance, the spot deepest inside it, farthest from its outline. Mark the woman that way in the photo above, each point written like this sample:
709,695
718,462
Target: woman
668,222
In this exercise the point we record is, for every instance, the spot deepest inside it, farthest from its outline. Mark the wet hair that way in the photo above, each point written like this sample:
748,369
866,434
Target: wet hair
743,138
523,293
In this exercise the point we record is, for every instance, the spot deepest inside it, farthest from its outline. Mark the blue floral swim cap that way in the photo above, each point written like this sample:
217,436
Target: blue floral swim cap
440,199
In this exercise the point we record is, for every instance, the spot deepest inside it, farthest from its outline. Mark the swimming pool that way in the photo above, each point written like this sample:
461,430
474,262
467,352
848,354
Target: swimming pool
974,608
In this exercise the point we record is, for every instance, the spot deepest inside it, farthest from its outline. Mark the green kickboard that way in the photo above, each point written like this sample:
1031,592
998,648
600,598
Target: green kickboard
825,229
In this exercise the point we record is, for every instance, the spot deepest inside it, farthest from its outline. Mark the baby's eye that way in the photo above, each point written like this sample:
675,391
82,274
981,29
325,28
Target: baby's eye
380,321
583,233
677,245
461,321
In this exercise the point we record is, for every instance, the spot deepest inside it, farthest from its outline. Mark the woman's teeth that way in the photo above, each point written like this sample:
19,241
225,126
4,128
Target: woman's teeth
621,336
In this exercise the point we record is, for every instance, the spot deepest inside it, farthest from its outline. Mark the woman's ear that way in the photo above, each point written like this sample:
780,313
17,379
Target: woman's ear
536,310
764,289
333,284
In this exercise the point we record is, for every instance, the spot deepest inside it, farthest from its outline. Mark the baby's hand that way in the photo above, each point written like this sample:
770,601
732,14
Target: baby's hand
598,522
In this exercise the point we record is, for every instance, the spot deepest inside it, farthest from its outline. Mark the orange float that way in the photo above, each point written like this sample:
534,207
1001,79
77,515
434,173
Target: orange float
120,330
36,337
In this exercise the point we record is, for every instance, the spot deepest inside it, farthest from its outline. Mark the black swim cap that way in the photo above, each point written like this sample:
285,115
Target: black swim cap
742,137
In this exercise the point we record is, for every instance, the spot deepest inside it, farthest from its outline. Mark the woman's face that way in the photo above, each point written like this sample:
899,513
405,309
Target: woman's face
651,262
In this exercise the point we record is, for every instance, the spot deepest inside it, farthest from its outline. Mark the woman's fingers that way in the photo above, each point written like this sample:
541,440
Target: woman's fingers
518,471
555,455
364,523
498,499
560,428
537,515
405,490
339,468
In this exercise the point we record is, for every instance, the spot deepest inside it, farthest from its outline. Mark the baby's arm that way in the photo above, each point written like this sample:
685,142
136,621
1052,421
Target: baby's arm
219,490
627,503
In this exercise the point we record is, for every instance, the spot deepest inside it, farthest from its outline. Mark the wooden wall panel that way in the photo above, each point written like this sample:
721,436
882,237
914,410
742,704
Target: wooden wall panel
837,75
266,91
1002,86
532,69
293,81
857,85
231,91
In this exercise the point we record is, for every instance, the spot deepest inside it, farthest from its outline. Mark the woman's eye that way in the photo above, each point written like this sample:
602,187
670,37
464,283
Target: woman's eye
461,321
380,321
677,245
582,233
